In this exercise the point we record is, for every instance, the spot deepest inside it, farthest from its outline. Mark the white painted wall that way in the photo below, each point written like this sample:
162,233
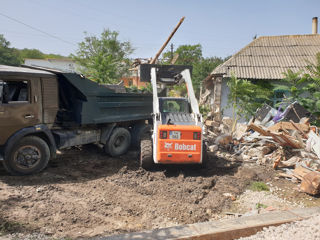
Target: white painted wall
67,65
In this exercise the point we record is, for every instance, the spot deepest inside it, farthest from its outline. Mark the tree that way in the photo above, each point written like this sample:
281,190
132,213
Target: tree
8,56
192,55
245,97
201,69
104,59
292,84
188,54
312,88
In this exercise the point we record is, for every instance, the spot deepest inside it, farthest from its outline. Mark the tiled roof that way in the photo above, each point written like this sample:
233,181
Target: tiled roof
268,57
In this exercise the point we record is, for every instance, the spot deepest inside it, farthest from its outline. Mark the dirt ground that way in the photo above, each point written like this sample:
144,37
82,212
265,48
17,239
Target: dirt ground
84,193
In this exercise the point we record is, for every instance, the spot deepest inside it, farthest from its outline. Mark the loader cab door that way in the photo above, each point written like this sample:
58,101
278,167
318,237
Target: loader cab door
19,105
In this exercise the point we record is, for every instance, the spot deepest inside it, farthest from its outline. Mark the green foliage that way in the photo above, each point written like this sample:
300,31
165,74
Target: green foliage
192,55
147,88
10,227
8,56
15,57
245,97
312,102
37,54
135,89
201,69
204,110
259,186
300,84
261,205
104,59
188,54
291,83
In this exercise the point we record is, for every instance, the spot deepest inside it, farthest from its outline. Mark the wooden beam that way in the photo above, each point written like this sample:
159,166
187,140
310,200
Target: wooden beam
153,61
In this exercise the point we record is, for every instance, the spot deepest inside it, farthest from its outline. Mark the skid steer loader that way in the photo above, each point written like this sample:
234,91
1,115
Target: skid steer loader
177,123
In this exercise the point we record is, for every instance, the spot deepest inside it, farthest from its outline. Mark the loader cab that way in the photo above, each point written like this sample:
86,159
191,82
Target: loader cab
175,111
176,105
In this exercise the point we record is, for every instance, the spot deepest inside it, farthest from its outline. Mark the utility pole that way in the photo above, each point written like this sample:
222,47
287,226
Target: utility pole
171,46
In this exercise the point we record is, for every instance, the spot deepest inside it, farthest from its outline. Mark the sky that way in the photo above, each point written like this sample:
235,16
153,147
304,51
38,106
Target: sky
221,27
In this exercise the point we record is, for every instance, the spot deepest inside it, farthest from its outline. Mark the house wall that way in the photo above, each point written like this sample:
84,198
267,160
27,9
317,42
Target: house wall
59,64
227,111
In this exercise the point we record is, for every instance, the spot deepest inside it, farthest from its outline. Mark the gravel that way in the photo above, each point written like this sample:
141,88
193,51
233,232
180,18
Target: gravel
302,230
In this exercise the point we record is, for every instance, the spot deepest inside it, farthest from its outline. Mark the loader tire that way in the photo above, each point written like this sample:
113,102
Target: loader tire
119,142
204,155
146,159
27,156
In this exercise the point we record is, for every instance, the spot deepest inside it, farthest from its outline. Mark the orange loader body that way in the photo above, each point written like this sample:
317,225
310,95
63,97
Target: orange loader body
179,144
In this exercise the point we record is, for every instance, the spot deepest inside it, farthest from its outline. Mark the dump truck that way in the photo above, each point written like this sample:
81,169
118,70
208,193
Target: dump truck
177,128
42,111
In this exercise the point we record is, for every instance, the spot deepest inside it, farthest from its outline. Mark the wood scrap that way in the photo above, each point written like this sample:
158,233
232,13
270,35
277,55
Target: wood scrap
299,127
289,126
300,172
311,183
313,143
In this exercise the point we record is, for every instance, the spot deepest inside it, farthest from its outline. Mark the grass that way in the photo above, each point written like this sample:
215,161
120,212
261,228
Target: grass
260,205
10,227
259,186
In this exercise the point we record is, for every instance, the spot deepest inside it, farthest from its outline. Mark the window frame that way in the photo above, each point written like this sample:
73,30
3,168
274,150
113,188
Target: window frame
27,81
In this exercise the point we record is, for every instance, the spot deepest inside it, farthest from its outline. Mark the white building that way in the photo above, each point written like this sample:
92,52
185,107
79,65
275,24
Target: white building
67,65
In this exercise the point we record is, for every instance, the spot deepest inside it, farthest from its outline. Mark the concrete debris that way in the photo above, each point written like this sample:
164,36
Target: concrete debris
284,140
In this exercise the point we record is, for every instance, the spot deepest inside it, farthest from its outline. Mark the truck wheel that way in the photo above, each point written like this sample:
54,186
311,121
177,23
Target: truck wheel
138,132
28,156
119,142
146,160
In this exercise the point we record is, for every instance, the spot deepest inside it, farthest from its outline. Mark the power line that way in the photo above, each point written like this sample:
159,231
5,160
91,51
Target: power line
36,29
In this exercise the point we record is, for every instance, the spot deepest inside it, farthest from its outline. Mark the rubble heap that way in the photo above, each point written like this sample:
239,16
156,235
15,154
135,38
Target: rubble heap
286,140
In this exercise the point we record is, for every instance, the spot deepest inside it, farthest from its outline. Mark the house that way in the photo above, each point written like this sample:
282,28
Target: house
64,64
265,58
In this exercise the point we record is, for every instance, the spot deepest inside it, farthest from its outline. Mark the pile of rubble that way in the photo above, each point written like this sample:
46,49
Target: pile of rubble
285,140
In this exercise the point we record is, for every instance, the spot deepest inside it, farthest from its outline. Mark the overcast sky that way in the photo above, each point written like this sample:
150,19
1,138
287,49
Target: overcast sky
221,27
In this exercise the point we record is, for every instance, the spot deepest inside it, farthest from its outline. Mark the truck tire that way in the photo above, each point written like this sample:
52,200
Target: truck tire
27,156
139,132
146,159
119,142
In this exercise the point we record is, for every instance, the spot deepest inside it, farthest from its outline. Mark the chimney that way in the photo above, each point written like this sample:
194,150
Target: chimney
315,25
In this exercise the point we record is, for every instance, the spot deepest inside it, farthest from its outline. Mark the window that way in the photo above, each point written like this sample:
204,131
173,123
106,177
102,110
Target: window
176,105
14,91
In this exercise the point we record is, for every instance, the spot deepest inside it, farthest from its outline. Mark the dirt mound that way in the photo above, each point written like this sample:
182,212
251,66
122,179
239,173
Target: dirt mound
85,193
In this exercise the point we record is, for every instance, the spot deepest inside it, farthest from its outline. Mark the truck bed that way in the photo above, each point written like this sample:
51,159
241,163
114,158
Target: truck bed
86,102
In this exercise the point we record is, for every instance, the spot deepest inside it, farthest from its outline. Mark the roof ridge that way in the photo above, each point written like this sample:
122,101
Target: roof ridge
293,35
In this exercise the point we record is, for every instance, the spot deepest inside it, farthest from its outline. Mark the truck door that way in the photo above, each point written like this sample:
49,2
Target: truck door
20,105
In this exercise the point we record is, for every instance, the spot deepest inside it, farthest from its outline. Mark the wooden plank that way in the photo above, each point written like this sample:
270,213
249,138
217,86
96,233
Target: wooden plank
300,172
311,183
263,131
299,128
289,126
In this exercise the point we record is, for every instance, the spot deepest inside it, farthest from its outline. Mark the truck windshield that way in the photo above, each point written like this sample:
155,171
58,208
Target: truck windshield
175,105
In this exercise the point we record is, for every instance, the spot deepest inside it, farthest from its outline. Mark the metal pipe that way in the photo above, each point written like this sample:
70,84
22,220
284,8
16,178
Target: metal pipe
315,25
